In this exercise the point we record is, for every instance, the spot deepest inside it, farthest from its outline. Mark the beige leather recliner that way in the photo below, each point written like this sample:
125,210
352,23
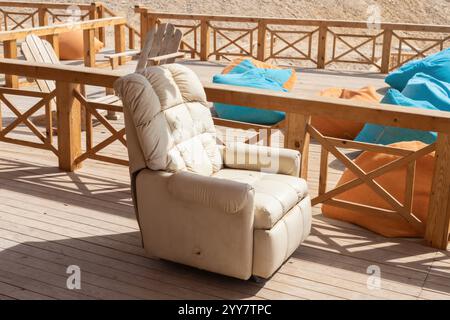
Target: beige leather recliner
237,210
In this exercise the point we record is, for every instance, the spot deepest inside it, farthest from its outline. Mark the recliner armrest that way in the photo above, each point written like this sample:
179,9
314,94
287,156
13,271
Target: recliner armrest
260,158
225,195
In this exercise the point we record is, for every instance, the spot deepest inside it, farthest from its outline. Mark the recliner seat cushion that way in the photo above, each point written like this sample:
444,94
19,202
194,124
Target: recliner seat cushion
275,194
173,123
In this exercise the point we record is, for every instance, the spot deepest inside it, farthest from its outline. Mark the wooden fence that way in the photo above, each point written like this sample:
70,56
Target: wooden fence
20,15
299,109
49,20
383,47
310,43
11,38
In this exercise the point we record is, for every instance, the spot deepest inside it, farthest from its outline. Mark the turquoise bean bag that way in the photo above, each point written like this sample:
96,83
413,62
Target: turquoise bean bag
436,65
246,74
423,87
280,76
379,134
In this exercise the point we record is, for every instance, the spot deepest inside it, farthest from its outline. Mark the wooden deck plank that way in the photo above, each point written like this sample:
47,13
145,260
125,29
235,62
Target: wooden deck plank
96,270
3,297
17,292
95,274
26,224
10,265
35,285
350,276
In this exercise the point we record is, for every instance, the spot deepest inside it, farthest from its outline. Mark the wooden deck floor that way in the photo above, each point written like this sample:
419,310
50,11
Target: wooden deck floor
50,220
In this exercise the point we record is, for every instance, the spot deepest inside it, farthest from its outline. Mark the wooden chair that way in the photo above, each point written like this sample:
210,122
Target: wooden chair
35,49
160,47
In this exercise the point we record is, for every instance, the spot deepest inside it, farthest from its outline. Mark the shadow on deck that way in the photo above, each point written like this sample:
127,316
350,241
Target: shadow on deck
52,219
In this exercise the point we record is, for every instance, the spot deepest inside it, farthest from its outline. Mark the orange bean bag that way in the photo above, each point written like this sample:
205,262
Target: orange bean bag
344,129
390,225
71,45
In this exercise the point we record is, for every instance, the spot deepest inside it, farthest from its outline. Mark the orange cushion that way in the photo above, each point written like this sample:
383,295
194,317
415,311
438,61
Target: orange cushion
71,46
288,85
391,224
344,129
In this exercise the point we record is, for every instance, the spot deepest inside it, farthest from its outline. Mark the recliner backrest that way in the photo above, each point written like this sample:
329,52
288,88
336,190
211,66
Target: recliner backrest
171,120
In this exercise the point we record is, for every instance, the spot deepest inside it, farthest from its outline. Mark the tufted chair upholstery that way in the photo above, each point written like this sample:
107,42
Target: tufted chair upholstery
239,210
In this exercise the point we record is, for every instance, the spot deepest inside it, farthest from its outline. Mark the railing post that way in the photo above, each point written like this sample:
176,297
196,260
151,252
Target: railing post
298,138
89,47
438,221
143,24
386,54
69,126
131,39
43,21
54,41
101,31
152,21
205,39
119,41
10,52
262,32
42,17
322,47
93,14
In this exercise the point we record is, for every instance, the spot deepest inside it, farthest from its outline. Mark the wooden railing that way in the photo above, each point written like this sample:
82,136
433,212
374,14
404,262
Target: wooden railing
316,43
10,39
17,19
20,15
299,110
133,35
